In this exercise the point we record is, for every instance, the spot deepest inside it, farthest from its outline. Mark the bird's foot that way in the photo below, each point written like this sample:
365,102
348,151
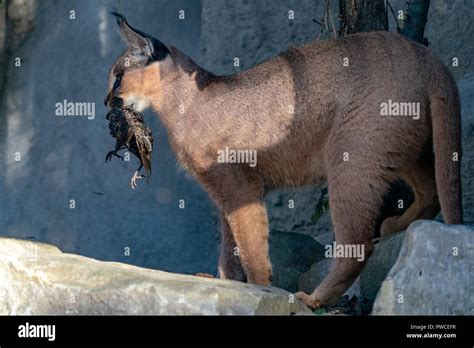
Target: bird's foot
110,154
135,177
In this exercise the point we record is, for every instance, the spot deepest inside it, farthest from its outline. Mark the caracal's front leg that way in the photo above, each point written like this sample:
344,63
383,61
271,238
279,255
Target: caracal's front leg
238,192
249,226
229,260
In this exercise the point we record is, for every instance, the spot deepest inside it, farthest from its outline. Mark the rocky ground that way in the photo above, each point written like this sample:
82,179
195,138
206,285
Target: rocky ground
38,278
426,270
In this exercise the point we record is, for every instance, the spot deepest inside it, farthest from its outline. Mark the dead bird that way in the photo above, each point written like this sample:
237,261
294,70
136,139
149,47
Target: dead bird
132,133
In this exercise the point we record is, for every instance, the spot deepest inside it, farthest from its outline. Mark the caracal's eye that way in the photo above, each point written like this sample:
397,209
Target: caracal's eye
117,82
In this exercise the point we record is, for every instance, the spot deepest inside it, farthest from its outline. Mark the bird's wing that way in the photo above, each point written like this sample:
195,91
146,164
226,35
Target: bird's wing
144,148
148,142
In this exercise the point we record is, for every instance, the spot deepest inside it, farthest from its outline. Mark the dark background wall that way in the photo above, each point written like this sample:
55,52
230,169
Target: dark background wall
62,158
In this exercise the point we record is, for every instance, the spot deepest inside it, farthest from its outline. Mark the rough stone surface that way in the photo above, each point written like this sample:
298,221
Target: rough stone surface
255,31
448,20
434,273
38,279
297,219
291,255
325,238
16,22
21,15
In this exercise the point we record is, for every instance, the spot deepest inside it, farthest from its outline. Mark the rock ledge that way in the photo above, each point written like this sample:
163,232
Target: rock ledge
39,279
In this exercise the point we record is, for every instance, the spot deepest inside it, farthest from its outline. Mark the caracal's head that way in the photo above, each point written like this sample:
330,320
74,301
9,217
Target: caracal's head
136,76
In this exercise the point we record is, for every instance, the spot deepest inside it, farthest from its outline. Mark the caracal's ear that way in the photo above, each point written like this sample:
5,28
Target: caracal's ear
140,43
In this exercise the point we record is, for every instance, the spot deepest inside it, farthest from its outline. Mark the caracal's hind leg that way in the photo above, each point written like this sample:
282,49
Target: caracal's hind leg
421,178
355,200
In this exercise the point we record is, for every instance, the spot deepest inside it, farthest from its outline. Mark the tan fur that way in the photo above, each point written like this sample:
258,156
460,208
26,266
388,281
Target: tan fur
302,111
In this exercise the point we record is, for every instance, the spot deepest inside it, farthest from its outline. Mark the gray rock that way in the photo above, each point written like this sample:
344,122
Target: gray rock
16,22
255,31
325,238
21,14
309,280
447,19
291,255
379,264
38,279
298,218
434,274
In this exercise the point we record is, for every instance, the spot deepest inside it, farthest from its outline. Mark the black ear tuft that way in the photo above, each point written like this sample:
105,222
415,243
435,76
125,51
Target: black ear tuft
120,19
142,44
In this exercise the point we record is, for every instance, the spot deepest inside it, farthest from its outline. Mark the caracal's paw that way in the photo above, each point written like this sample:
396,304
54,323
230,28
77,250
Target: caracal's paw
311,301
390,226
